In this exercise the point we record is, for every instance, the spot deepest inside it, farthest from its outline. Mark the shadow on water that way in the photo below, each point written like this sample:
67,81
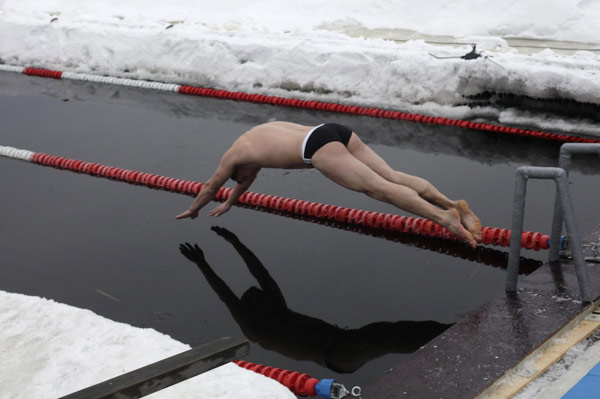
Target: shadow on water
265,318
481,254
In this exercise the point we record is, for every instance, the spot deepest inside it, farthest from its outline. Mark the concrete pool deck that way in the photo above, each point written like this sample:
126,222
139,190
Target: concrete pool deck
478,350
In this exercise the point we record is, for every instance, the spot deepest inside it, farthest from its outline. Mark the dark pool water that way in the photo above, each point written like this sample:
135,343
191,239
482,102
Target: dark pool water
313,298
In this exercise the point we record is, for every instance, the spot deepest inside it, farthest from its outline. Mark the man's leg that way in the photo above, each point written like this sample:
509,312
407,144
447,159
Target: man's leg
423,187
338,164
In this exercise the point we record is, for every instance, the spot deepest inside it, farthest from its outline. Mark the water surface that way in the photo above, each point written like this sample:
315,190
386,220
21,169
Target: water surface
326,301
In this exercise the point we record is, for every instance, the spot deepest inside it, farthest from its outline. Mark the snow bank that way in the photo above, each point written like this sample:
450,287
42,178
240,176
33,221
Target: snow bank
566,20
51,349
296,49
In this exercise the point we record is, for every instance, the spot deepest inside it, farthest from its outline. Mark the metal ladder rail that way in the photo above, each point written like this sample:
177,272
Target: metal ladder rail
562,194
564,162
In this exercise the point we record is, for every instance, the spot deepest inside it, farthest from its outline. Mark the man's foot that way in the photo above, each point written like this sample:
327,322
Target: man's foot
454,225
468,219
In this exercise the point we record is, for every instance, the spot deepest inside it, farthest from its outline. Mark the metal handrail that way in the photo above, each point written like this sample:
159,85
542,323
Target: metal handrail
564,162
563,198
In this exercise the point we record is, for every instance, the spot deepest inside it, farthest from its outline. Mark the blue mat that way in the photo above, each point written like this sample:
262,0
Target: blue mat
587,387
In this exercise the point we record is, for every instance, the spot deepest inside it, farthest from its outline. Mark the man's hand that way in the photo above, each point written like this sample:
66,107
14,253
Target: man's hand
187,214
221,209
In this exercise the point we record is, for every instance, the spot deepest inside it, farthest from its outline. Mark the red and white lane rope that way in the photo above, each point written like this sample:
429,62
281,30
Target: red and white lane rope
403,224
295,103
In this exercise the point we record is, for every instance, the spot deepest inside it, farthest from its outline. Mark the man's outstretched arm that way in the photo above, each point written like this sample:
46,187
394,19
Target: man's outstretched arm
238,190
210,188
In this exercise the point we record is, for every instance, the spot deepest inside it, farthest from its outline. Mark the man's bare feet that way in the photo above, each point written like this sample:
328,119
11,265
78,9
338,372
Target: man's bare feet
454,225
468,219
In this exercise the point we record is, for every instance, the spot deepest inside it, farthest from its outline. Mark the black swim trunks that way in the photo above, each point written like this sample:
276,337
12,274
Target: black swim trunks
321,135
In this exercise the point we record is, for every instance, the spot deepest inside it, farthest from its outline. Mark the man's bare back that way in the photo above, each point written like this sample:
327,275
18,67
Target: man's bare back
339,154
271,145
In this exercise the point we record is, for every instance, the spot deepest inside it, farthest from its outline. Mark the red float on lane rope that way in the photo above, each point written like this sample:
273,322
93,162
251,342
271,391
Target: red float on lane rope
44,73
299,384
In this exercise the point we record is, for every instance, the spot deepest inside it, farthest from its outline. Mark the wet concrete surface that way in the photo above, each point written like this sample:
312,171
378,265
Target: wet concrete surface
472,354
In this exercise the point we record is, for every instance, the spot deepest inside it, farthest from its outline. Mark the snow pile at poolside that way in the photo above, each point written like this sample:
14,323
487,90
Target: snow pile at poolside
50,350
302,49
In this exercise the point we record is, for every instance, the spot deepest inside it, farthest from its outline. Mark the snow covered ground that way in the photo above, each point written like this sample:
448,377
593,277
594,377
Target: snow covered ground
50,350
310,49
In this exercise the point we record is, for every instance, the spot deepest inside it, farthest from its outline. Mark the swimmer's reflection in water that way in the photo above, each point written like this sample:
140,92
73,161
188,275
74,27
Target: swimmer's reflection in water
265,319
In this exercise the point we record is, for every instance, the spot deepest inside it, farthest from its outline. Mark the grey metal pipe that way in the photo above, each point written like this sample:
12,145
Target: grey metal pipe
562,185
514,253
559,176
564,162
